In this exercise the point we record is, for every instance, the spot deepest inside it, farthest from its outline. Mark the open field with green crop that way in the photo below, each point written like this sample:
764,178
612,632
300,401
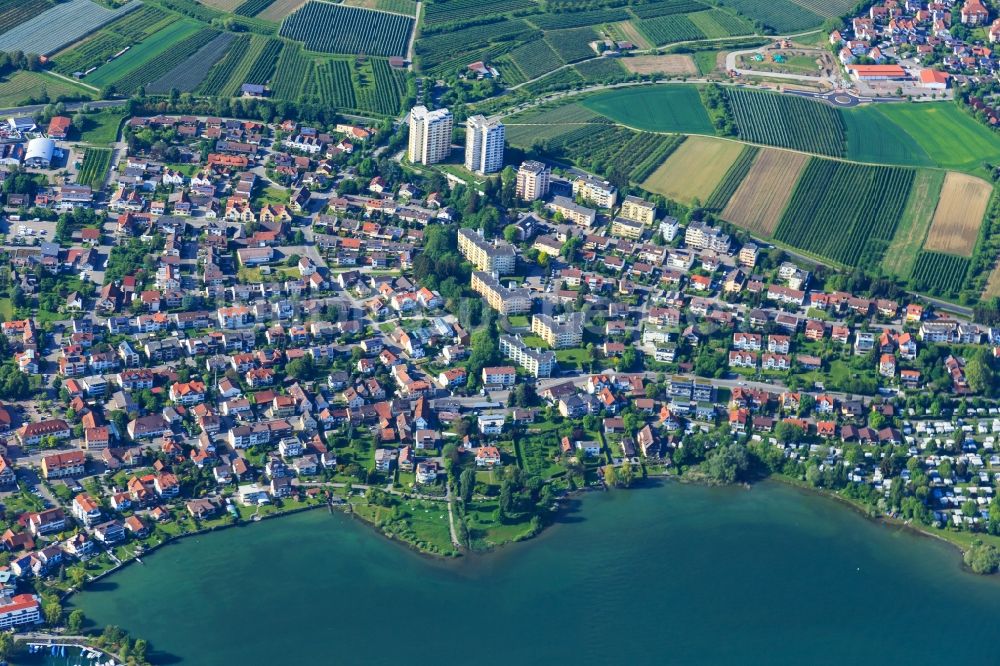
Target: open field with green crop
101,127
694,170
873,137
666,108
845,212
127,31
951,138
901,256
20,87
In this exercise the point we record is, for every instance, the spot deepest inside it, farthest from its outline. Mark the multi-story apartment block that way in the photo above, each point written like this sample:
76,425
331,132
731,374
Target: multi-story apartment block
703,237
484,139
502,299
532,180
593,189
578,215
537,362
638,210
627,228
430,135
559,332
497,256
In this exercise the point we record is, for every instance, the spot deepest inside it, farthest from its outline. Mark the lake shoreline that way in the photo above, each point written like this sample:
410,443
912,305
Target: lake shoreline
566,505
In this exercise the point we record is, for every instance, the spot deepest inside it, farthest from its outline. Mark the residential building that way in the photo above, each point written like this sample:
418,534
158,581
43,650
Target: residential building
571,212
497,256
638,210
599,192
537,362
430,135
505,300
559,332
484,141
532,180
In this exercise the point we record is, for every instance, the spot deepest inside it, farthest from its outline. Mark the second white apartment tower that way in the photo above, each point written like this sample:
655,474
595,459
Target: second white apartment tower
484,144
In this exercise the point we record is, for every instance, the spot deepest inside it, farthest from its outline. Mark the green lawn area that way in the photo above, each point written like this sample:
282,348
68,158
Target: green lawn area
874,137
143,52
102,127
658,108
573,356
534,341
912,229
950,137
6,309
519,321
22,86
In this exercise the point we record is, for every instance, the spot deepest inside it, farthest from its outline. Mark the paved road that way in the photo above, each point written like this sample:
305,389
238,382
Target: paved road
70,106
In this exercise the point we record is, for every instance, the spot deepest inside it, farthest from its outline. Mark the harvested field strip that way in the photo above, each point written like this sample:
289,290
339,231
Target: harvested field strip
661,64
759,201
279,9
737,172
901,256
694,170
959,214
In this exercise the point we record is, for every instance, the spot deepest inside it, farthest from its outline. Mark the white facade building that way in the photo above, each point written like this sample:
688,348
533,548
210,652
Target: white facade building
430,135
484,139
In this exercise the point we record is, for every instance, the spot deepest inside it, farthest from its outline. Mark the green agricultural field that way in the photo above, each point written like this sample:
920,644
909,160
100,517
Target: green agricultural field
873,137
845,212
142,53
782,16
939,273
787,121
22,86
94,170
901,256
101,127
949,136
666,108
